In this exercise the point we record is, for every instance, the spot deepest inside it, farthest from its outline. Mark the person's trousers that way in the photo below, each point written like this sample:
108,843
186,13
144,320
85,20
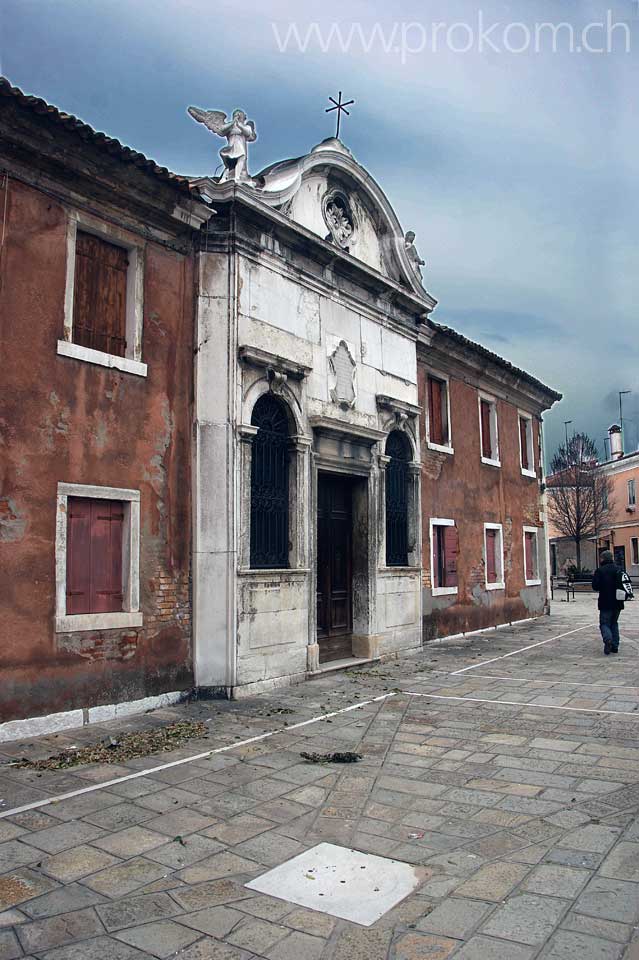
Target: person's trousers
609,626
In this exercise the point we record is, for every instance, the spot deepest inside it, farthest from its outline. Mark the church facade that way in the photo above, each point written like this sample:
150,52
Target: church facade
259,457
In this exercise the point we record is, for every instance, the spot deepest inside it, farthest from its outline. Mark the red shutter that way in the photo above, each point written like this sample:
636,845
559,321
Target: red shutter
78,555
94,555
529,548
523,439
436,557
491,556
99,295
107,517
486,443
451,549
436,426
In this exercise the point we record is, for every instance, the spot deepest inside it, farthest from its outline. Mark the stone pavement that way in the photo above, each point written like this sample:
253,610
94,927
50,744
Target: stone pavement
512,782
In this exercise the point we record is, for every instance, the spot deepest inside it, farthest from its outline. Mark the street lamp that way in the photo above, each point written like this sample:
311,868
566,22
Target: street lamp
622,393
566,422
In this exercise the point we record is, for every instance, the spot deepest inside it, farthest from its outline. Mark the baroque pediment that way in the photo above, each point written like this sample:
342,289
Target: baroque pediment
332,195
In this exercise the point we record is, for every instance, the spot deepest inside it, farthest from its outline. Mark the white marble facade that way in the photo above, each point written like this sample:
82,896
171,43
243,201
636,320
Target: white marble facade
305,291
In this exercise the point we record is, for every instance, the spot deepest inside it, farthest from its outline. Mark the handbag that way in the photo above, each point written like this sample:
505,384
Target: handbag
625,591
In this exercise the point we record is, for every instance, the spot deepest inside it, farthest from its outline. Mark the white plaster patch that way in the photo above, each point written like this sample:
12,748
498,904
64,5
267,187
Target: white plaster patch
359,887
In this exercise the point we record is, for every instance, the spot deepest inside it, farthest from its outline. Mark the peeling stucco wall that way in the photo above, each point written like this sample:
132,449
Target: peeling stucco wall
64,420
460,487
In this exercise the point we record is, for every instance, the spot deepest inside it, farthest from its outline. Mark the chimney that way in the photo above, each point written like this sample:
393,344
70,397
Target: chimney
616,442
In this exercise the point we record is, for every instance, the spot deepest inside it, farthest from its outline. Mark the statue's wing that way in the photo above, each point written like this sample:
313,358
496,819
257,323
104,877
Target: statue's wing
215,120
251,124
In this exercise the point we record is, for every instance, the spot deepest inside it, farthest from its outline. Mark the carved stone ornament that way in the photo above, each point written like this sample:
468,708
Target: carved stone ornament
338,218
239,132
343,366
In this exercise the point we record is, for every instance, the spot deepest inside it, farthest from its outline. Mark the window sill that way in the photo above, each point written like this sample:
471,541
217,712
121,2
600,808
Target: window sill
444,591
496,586
77,352
440,447
77,622
491,463
533,583
528,473
269,573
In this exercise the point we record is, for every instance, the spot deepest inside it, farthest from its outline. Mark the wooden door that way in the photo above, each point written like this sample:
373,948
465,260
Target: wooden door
334,567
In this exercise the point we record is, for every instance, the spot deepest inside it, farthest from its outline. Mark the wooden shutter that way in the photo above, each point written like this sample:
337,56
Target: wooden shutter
107,518
529,544
486,442
94,555
451,549
99,295
491,556
78,555
523,439
435,421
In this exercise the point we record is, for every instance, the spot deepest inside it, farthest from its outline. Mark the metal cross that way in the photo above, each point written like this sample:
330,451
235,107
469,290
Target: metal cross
340,106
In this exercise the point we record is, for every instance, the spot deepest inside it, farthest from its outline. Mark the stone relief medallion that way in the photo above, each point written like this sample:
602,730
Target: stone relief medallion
338,218
343,366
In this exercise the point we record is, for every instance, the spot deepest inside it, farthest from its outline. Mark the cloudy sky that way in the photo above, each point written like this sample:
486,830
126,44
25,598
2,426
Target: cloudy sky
517,168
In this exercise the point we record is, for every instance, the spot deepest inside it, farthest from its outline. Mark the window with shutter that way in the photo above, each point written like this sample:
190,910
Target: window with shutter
445,549
486,437
99,295
523,441
529,548
436,400
94,555
491,556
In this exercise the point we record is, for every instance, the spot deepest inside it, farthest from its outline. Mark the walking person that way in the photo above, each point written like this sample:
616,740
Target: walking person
607,580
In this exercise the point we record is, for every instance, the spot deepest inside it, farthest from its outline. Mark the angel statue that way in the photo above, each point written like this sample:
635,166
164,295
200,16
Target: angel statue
411,250
239,132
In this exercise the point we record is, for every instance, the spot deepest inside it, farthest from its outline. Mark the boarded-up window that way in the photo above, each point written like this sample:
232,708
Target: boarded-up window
493,556
445,552
438,411
524,425
486,410
99,294
94,555
530,554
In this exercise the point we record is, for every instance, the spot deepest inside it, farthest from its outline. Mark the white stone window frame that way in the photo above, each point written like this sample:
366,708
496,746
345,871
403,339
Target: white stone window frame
439,591
536,581
530,445
632,493
131,615
132,362
501,583
634,551
440,447
494,429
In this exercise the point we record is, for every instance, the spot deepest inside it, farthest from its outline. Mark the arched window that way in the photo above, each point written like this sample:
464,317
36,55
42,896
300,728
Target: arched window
399,450
269,484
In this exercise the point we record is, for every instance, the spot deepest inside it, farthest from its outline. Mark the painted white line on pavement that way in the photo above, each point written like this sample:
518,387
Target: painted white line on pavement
177,763
476,666
572,683
519,703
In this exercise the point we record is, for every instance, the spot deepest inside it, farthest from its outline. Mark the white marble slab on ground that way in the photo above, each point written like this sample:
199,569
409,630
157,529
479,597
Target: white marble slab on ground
344,883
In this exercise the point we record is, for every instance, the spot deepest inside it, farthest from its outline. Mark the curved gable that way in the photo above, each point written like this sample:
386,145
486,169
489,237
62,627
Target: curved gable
329,193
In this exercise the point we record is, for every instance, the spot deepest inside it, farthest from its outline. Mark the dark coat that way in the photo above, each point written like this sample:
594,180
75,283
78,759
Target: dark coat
607,580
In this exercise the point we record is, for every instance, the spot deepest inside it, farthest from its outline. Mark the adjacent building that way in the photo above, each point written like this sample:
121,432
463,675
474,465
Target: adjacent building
619,529
237,449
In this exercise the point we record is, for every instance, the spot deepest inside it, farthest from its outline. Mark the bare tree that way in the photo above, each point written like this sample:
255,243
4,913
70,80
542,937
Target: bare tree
579,492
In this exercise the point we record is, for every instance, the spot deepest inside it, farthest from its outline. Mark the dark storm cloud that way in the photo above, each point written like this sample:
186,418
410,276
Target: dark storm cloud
518,173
